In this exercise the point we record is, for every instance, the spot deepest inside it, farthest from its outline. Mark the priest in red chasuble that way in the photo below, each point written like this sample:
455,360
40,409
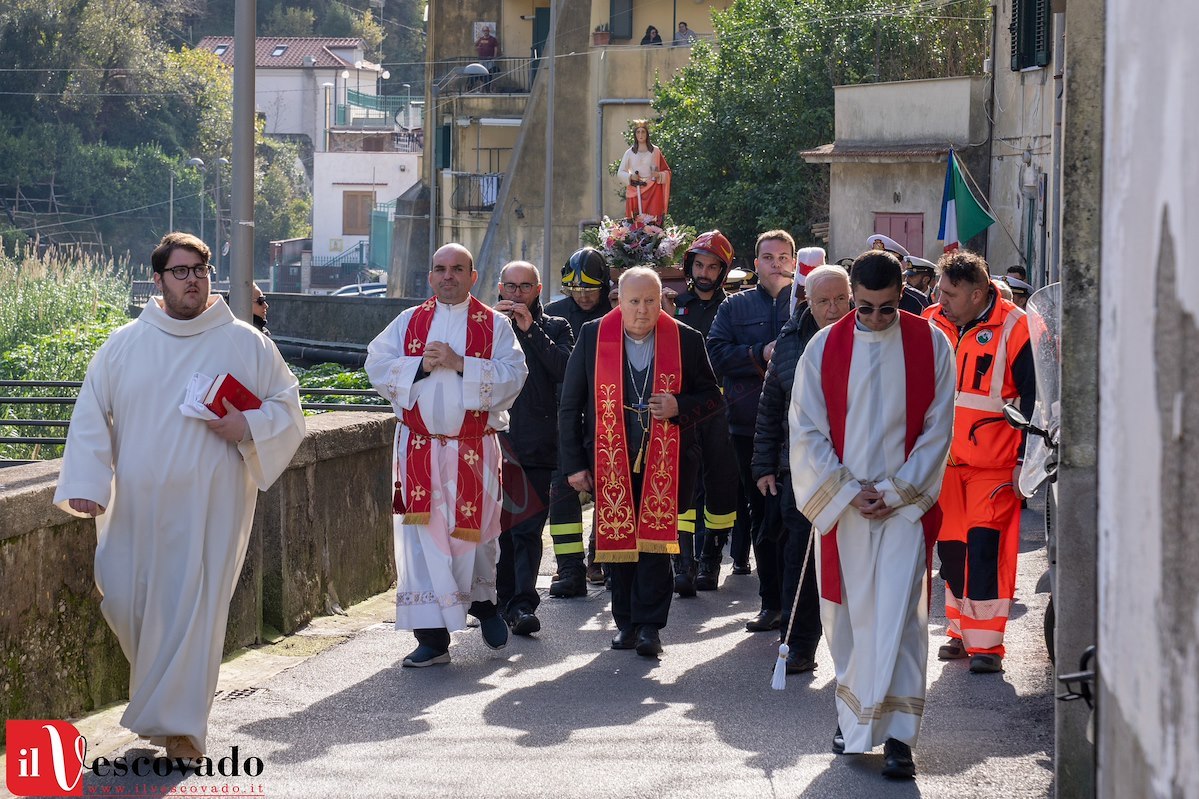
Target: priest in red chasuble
637,386
871,417
452,368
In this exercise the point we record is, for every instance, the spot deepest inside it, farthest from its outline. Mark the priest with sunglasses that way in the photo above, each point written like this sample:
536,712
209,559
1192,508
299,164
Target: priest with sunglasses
871,418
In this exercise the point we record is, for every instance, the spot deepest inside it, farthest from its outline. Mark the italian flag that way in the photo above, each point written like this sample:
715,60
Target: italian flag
962,218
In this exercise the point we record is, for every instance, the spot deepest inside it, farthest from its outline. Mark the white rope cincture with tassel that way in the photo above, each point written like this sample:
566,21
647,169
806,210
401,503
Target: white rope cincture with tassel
779,680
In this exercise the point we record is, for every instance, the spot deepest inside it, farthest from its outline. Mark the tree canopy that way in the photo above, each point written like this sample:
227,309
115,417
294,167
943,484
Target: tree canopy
734,120
104,104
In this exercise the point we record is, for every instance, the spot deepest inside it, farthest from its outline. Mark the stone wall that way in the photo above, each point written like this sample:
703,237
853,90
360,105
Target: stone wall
321,539
342,320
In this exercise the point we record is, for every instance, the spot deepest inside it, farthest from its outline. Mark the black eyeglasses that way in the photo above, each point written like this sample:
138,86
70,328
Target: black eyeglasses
260,300
521,287
885,310
198,271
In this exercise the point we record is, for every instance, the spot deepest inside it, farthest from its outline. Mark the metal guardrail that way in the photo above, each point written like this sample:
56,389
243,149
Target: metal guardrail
21,401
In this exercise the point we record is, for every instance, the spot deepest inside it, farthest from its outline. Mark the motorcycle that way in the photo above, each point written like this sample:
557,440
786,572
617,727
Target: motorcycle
1041,454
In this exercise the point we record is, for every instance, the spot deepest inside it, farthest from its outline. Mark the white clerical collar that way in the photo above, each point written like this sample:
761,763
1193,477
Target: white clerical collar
452,306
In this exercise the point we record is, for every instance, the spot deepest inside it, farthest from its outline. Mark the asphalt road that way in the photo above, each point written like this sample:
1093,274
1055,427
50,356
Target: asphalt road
330,713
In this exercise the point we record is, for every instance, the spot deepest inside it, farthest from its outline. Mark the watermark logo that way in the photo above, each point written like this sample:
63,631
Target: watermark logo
44,758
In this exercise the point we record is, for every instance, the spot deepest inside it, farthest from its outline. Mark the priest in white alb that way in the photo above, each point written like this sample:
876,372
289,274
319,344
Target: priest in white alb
451,367
173,494
871,418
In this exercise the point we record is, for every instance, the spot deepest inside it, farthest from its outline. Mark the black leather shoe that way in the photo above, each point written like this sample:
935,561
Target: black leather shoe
684,585
524,622
742,568
798,662
648,643
708,578
765,621
572,583
838,742
897,760
624,639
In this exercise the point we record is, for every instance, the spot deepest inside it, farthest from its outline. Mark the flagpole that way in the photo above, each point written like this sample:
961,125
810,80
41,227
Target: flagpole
979,193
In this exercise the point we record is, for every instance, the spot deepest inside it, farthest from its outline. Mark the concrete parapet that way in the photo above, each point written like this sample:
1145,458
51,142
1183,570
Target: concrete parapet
322,538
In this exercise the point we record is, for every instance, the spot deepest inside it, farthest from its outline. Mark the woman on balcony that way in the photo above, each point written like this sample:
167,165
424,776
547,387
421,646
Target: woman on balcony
651,36
646,176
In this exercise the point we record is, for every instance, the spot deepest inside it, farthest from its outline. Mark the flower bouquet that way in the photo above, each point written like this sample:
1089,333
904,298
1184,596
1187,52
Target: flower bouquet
640,242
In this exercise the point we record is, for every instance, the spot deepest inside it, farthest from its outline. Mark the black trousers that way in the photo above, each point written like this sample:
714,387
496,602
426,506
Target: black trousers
806,634
522,519
764,530
641,591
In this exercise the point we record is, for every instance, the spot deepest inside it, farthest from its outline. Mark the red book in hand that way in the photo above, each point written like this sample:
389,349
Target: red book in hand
227,387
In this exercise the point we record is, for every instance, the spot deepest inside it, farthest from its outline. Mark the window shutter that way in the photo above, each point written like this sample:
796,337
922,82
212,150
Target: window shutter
1014,30
1043,33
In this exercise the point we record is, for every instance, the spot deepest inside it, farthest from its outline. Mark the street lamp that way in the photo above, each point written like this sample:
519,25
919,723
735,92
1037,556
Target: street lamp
345,94
475,70
198,163
407,93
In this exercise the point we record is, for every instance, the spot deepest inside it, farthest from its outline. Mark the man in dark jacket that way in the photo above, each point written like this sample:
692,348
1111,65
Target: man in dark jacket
704,526
828,300
637,387
530,445
586,281
741,343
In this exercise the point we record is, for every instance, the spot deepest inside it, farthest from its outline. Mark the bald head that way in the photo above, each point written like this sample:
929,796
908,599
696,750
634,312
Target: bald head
452,274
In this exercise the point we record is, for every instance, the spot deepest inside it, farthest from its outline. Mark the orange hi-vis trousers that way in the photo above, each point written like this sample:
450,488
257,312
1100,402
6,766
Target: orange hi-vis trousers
978,544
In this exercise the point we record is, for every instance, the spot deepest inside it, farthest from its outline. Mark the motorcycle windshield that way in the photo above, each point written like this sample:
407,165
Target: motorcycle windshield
1044,330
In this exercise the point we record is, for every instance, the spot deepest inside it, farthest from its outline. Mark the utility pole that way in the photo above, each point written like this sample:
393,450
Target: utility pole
241,237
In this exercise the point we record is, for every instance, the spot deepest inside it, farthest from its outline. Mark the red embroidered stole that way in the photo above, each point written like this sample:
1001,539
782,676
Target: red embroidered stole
619,536
920,389
415,499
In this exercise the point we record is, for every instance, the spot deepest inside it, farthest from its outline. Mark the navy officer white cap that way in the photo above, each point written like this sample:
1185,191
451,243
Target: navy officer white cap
880,242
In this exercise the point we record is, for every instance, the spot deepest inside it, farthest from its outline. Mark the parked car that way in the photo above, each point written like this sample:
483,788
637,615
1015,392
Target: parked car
362,290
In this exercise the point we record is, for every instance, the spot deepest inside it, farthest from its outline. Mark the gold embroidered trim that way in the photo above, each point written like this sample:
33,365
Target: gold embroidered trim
623,556
907,492
890,704
825,494
659,547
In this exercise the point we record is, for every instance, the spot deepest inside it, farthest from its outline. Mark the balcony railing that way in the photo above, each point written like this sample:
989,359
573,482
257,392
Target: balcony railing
476,191
509,75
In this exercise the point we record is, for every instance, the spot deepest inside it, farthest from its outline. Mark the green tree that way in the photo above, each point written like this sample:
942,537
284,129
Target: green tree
733,121
289,22
371,33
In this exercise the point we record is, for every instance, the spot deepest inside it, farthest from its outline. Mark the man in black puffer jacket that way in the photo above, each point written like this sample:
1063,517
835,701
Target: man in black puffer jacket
741,344
530,445
828,300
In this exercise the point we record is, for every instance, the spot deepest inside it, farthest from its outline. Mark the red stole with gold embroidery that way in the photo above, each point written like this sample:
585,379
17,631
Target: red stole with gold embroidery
619,535
920,390
414,500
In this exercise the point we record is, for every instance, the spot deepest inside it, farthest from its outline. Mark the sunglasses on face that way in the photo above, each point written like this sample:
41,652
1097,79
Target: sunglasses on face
885,310
260,300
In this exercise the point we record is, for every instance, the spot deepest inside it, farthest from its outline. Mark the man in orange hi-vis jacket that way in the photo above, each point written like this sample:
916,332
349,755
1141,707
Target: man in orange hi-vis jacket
980,534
